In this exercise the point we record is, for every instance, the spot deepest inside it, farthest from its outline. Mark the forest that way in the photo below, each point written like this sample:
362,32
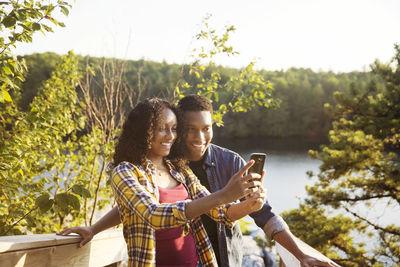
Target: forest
61,114
302,94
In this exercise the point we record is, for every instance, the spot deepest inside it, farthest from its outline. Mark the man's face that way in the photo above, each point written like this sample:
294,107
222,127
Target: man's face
198,133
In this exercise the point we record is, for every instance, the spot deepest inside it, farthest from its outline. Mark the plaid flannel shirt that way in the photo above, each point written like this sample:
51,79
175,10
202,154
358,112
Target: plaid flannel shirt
136,193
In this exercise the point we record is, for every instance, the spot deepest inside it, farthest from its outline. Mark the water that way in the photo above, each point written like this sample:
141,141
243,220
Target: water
286,166
285,180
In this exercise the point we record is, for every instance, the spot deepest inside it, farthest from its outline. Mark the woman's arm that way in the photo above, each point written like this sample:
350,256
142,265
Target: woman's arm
135,197
88,232
237,187
253,203
220,213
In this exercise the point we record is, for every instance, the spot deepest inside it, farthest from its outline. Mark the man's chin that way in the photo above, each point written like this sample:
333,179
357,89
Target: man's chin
195,155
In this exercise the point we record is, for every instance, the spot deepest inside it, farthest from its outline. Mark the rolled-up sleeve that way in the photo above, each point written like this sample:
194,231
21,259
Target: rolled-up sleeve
134,196
275,225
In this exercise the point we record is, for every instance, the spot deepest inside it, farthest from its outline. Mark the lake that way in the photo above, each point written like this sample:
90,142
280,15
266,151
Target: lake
285,180
286,166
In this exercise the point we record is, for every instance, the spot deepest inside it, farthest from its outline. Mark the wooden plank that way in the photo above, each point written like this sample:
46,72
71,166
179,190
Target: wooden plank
289,260
106,249
23,242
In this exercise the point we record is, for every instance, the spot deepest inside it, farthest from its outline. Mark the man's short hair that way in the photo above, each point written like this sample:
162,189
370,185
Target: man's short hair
195,103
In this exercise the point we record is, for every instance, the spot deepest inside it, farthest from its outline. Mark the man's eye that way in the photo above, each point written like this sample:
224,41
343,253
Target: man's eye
174,129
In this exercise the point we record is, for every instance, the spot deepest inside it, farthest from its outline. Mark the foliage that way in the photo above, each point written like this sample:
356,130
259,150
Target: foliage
302,92
301,114
332,236
19,21
239,93
37,149
360,169
107,98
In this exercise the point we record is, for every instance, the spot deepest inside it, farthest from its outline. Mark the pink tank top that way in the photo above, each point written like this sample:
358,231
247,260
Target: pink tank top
173,249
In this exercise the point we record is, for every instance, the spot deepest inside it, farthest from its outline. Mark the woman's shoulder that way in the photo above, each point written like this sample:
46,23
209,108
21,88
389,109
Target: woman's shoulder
126,166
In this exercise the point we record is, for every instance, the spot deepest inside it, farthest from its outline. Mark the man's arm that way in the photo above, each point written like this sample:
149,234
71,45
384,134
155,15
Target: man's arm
277,229
87,232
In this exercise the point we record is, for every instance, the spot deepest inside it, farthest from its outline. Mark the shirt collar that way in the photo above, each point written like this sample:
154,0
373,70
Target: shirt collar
150,165
209,157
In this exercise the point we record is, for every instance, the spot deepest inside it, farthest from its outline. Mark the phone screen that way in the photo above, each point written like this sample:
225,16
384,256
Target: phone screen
259,160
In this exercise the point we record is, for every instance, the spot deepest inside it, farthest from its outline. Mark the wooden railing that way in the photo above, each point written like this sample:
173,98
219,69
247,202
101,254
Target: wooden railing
289,260
106,248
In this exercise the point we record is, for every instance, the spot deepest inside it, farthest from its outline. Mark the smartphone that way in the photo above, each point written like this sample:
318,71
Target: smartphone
259,160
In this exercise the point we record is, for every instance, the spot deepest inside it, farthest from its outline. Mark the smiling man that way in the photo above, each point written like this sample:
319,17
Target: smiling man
214,166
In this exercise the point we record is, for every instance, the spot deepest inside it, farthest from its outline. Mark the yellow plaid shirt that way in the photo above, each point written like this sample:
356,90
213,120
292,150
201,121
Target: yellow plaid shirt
136,193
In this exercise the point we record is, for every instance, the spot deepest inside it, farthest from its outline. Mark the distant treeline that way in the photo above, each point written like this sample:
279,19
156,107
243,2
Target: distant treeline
302,92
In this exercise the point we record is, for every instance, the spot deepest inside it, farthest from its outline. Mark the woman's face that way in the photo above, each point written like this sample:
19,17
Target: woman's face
164,135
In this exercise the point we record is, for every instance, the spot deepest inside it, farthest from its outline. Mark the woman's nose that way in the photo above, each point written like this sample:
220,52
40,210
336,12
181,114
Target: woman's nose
171,134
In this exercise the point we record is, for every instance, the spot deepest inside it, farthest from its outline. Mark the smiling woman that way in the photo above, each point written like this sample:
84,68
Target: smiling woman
164,135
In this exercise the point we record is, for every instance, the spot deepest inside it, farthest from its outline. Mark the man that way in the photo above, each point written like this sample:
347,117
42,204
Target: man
214,165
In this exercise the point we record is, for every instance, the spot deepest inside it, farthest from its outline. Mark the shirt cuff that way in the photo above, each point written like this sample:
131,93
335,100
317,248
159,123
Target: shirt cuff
227,221
275,225
180,210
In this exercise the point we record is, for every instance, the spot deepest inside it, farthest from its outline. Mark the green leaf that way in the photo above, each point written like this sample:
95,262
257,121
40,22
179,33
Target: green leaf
65,199
77,189
47,28
73,201
9,21
7,70
81,191
36,26
6,96
86,193
44,203
64,10
62,200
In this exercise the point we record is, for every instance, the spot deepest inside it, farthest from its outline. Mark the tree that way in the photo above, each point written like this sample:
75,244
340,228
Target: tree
360,170
241,92
31,141
19,21
38,160
107,97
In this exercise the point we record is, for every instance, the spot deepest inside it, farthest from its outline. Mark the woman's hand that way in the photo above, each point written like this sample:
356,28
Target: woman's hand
85,232
241,185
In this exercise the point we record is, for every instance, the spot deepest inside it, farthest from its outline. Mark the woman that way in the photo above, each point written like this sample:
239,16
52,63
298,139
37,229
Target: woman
160,200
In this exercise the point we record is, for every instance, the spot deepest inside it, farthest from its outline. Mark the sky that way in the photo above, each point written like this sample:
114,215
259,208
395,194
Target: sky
324,35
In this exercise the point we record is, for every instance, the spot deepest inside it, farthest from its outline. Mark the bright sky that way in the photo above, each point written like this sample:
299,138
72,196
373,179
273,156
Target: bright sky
337,35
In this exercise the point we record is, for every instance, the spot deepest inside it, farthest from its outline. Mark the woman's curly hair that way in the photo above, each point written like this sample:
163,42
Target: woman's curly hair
138,132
